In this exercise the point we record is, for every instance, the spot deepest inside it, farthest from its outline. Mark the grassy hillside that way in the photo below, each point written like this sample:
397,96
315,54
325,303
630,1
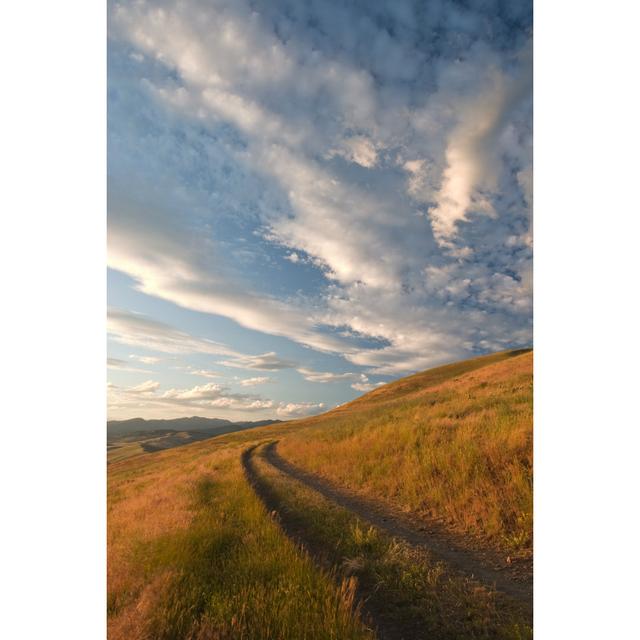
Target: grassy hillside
453,443
411,592
193,552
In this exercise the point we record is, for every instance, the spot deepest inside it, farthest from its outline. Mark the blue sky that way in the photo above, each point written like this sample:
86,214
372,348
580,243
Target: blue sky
306,200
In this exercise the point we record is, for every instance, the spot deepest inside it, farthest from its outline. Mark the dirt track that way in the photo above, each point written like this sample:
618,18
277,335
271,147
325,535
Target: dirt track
384,629
430,537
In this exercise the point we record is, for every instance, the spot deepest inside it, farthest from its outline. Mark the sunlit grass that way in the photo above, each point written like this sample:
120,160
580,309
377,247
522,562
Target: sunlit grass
193,554
406,587
453,443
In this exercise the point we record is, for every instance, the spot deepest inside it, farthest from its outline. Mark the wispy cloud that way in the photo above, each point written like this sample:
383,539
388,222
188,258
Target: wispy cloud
253,382
210,396
264,362
123,365
298,410
150,386
328,376
366,386
359,381
146,359
204,373
397,163
138,330
209,399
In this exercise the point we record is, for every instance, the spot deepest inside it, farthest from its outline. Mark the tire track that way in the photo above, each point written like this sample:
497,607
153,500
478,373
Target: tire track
383,628
394,524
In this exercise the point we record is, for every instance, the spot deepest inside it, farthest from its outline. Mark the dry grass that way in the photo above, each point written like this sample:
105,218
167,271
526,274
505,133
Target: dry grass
453,443
193,554
124,451
406,588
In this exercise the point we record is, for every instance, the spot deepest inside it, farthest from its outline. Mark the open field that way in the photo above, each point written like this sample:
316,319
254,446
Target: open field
195,553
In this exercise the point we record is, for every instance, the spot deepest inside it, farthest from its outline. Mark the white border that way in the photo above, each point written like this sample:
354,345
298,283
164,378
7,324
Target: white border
586,356
52,252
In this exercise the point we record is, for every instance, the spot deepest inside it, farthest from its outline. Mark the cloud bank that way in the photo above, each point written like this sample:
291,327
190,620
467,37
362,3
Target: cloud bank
147,398
355,178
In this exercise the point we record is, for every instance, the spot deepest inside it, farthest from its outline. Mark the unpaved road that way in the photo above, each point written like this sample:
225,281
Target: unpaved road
397,525
384,629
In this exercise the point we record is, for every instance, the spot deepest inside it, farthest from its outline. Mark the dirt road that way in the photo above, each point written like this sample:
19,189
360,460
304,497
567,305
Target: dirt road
430,536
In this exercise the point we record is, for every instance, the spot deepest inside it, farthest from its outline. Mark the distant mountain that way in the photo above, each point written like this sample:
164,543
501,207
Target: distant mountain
211,426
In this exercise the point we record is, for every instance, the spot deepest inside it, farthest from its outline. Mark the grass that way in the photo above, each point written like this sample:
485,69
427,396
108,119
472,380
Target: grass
407,588
123,451
193,554
454,443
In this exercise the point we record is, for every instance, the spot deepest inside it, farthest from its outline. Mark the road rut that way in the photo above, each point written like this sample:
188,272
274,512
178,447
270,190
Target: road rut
398,526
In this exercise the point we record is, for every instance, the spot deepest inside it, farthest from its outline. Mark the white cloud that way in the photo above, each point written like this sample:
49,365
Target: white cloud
473,148
139,330
360,382
209,391
145,243
252,382
146,359
446,149
264,362
290,410
204,373
328,376
135,329
358,149
350,230
293,257
150,386
366,386
211,398
123,365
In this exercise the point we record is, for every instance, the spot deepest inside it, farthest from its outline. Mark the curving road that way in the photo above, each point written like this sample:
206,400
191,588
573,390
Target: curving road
397,525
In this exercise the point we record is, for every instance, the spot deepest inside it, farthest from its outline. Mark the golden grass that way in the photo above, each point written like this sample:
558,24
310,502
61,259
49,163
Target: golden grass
122,452
453,443
406,587
193,554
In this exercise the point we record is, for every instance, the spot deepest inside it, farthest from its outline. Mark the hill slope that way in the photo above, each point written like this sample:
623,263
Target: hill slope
453,443
194,550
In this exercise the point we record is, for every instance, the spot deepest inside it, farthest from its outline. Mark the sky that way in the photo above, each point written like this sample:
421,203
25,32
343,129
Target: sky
307,200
